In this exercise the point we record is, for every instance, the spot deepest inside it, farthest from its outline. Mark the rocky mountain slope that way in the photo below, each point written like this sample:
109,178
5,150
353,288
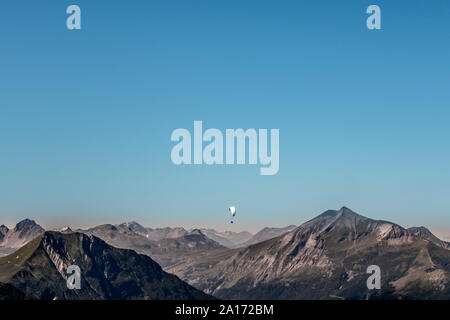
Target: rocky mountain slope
326,258
424,233
39,270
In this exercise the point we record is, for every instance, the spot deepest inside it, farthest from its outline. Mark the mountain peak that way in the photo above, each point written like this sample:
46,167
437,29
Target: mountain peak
135,227
132,224
25,224
345,220
346,209
342,213
424,233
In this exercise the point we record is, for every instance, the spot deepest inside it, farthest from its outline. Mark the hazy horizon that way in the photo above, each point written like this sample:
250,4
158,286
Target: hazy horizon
439,231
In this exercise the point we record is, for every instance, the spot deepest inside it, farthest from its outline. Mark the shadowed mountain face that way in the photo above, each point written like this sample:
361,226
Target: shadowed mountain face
266,234
326,258
3,231
25,231
39,270
9,292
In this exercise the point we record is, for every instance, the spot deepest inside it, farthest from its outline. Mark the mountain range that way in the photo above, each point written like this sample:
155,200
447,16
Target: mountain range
324,258
39,270
227,239
166,251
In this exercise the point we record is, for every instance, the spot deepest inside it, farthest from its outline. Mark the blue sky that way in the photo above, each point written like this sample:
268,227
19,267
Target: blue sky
86,116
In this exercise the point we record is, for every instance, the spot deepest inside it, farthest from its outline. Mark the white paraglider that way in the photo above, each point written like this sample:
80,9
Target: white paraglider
232,211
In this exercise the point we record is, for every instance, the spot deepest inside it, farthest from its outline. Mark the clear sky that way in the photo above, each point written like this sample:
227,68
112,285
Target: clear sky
86,116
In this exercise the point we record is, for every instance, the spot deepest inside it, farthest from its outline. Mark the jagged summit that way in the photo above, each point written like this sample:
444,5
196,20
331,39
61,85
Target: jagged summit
25,224
424,233
135,227
24,231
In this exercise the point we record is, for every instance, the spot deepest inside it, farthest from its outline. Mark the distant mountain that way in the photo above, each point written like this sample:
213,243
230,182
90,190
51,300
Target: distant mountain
266,234
25,231
227,239
121,236
65,230
166,251
326,258
38,269
165,233
424,233
194,240
135,227
154,234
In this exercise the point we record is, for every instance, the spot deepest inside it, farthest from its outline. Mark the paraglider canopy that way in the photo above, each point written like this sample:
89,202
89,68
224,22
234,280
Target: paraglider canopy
232,211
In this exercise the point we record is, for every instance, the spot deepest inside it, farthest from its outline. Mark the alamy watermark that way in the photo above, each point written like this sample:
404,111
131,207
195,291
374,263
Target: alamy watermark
73,22
235,140
374,281
373,22
74,280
